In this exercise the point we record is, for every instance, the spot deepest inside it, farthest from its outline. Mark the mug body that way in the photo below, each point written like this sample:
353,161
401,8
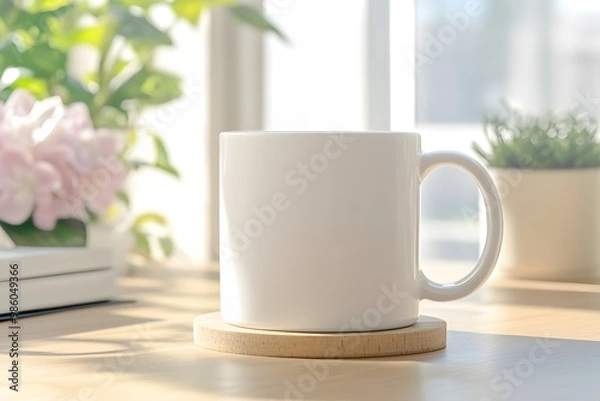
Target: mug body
319,230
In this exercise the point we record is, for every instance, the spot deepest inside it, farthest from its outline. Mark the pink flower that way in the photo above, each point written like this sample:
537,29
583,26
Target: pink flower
23,182
65,202
27,120
55,164
19,104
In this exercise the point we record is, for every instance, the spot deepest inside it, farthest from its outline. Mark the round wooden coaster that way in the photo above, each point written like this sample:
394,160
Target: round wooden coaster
211,332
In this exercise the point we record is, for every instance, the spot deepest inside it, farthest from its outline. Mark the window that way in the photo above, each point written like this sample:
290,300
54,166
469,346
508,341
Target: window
446,64
317,81
537,55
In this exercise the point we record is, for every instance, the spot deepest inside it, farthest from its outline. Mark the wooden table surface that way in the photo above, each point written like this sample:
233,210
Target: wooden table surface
512,340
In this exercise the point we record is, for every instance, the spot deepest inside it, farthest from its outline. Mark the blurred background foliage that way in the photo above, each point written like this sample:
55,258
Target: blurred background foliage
552,141
37,43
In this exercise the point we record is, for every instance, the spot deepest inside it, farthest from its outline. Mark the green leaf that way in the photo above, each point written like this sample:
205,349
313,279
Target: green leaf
253,17
144,53
10,55
67,233
142,245
37,87
190,10
137,164
123,197
95,35
149,218
37,6
93,217
138,29
167,246
147,86
162,157
110,117
24,39
117,68
37,21
75,91
44,61
144,4
6,6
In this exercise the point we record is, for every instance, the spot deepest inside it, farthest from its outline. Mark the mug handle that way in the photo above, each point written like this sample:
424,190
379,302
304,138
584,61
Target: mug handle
450,291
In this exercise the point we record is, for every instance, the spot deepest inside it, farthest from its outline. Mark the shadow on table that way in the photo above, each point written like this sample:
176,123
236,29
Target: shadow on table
147,302
473,367
77,320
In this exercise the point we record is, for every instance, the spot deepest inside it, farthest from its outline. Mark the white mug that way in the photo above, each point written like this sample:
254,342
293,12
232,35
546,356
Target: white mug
319,230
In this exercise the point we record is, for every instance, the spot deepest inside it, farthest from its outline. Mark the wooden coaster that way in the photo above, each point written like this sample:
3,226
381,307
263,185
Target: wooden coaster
211,332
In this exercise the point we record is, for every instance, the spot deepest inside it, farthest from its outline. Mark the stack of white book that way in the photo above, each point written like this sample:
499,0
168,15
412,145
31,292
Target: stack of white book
56,277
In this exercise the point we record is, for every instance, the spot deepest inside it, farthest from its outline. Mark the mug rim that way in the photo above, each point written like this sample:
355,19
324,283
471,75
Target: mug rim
317,132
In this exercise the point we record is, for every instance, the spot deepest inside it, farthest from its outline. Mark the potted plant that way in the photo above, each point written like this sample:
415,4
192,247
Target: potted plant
41,42
547,170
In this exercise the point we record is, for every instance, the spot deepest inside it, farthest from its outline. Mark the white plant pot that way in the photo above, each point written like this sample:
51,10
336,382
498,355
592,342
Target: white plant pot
551,224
